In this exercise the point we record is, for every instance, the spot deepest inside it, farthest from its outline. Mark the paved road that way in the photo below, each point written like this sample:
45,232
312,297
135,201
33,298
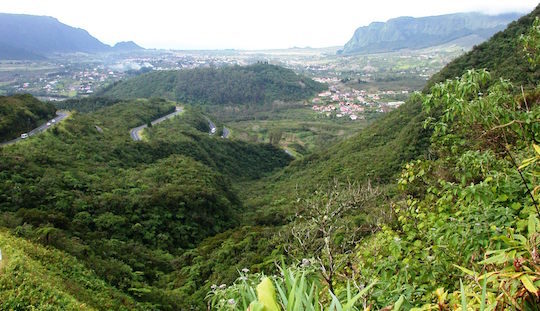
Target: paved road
226,132
60,115
134,132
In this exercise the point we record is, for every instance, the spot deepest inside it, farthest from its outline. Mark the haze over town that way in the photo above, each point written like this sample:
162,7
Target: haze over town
241,24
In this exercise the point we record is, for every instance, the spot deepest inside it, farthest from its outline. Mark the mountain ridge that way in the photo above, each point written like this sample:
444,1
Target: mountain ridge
24,36
407,32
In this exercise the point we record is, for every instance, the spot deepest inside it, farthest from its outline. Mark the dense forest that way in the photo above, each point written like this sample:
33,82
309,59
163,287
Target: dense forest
432,207
256,84
127,209
85,104
22,113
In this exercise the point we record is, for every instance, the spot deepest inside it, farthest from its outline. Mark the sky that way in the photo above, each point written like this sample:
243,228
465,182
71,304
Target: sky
242,24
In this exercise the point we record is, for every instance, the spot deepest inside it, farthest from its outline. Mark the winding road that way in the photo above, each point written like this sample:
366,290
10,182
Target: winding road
60,115
135,133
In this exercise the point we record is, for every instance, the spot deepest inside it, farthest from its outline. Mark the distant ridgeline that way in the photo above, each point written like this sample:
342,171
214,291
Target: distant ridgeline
21,113
502,55
254,84
463,29
35,37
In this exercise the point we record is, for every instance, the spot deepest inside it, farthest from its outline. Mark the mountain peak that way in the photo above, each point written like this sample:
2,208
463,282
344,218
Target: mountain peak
127,46
25,36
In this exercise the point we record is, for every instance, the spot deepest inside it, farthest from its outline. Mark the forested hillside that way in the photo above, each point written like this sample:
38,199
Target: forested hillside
22,113
256,84
378,152
420,196
126,210
49,279
435,206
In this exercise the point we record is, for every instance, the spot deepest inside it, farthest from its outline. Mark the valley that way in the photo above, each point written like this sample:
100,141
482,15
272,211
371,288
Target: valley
374,176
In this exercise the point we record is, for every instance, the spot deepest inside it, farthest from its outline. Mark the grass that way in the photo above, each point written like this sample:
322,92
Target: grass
48,279
303,130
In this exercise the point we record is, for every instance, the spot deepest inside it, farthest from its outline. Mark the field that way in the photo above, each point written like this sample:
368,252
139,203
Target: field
298,130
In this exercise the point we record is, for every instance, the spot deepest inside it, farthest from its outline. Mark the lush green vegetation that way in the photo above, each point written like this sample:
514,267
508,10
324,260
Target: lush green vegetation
294,127
48,279
434,206
235,159
297,289
128,210
396,253
463,230
256,85
85,104
20,114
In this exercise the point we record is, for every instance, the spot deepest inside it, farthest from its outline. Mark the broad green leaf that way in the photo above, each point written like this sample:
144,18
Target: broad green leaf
528,283
399,303
266,293
532,225
497,259
467,271
463,296
483,298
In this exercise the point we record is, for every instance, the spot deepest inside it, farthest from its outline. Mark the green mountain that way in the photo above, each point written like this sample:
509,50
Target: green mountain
400,136
127,210
406,259
417,33
254,84
435,206
22,113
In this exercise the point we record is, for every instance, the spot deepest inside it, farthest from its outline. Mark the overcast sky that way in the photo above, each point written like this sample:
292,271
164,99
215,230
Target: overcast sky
241,24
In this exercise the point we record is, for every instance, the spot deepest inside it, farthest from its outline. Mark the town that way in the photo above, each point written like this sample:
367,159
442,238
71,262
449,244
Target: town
354,104
358,85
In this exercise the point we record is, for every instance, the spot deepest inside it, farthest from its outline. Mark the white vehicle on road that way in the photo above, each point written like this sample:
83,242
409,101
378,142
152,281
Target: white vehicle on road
48,123
24,135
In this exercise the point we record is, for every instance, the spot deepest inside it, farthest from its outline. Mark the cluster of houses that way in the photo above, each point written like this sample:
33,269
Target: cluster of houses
353,104
83,79
68,82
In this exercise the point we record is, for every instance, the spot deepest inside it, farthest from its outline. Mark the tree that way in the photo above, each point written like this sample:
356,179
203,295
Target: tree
324,228
275,137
